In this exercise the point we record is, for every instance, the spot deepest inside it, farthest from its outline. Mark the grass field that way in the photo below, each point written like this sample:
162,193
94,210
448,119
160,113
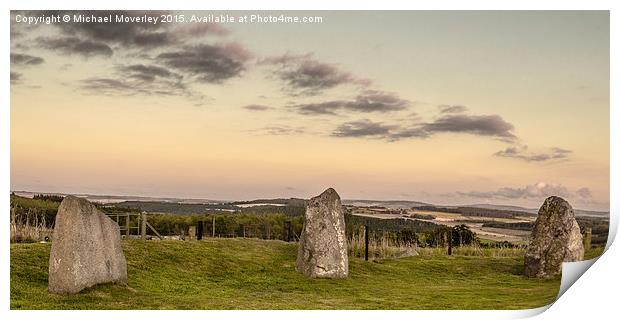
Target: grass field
259,274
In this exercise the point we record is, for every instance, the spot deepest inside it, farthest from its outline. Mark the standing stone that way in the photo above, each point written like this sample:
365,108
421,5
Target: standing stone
555,239
86,249
323,244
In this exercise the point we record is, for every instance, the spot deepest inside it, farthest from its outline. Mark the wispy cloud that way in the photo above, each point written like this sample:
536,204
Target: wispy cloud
521,153
20,59
137,35
280,130
77,46
538,190
445,108
366,102
303,74
15,77
483,125
363,128
257,107
149,73
208,63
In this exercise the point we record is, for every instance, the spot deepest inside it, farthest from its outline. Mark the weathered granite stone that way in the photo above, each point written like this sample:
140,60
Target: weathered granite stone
86,249
323,244
555,239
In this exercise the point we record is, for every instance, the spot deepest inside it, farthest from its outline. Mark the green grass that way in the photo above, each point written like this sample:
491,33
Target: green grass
593,252
259,274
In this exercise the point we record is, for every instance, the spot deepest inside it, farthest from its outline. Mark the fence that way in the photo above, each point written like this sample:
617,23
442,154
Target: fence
29,227
128,221
261,231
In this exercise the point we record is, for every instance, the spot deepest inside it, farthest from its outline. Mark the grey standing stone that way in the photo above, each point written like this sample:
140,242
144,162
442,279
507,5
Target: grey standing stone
556,238
86,248
323,243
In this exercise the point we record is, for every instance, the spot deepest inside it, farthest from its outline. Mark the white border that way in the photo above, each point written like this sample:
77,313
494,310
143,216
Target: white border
593,295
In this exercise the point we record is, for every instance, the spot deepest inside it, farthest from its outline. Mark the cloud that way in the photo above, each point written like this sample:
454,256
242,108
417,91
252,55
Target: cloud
407,133
303,74
483,125
208,63
322,108
538,190
444,108
74,45
280,130
98,38
521,153
134,86
584,193
15,77
193,30
366,102
149,73
25,60
142,35
256,107
112,86
138,79
363,128
107,85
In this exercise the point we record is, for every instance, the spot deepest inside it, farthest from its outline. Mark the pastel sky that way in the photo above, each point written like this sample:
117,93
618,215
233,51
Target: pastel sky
444,107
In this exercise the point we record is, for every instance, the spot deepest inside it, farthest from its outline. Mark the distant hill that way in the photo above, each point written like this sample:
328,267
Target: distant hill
117,198
502,207
279,201
392,204
196,205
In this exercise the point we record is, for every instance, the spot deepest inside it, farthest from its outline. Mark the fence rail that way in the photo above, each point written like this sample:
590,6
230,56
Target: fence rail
128,221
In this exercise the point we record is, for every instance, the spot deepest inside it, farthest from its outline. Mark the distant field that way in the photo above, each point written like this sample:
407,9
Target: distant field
458,216
259,274
475,223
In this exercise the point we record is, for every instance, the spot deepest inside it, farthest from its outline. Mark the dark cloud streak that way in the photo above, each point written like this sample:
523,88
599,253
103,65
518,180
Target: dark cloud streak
366,102
74,45
539,190
521,153
302,74
363,128
208,63
25,59
256,107
15,77
444,108
486,125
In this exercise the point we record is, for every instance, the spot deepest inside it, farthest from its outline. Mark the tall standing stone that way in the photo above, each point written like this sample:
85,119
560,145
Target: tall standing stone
555,239
86,248
323,243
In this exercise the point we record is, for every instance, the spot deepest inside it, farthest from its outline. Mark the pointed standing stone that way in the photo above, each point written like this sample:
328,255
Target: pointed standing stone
86,248
323,244
556,238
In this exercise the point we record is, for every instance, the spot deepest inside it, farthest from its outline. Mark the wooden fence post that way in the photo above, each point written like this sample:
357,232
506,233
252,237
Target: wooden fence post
587,239
127,226
366,242
287,231
199,230
213,227
450,241
143,225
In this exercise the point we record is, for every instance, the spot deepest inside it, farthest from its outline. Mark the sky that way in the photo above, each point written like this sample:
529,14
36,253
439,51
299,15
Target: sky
445,107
